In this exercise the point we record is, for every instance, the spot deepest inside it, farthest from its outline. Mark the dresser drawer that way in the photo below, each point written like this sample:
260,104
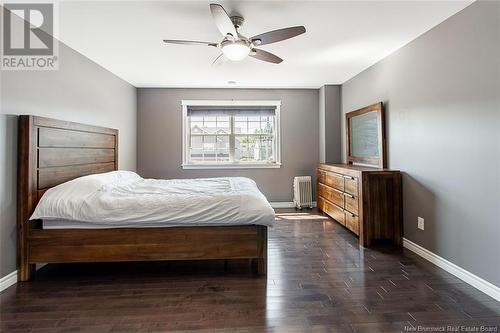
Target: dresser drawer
351,185
352,222
331,179
320,203
351,203
321,176
332,210
332,195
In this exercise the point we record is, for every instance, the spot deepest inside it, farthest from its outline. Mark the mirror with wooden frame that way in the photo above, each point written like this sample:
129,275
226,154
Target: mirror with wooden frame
365,136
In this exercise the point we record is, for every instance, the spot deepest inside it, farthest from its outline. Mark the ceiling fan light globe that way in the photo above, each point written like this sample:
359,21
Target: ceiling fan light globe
236,51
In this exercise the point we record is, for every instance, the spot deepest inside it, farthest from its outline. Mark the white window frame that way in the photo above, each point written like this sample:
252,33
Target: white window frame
234,165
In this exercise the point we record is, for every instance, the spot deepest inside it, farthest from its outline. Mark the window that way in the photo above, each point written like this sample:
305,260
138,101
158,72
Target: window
231,134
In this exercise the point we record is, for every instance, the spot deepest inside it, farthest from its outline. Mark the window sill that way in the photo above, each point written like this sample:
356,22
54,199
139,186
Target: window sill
230,166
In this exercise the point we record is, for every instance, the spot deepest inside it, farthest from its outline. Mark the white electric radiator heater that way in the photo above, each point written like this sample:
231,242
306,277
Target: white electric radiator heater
302,192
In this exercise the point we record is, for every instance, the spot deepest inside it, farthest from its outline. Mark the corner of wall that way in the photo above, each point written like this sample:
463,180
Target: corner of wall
321,131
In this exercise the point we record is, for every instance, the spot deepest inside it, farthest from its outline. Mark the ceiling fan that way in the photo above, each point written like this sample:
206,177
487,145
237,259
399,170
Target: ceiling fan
235,46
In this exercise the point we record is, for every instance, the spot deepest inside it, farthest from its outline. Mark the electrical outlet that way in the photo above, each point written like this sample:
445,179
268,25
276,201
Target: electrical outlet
420,223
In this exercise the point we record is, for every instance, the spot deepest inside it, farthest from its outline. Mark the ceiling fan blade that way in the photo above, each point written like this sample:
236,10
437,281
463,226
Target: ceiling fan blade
277,35
188,42
220,60
222,20
265,56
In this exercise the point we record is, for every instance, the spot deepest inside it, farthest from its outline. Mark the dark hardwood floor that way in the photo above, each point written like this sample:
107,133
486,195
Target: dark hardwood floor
319,280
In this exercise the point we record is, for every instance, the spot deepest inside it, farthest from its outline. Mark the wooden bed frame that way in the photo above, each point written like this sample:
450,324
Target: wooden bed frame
52,152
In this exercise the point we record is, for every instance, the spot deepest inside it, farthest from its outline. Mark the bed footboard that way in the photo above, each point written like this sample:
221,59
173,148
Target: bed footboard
262,250
145,244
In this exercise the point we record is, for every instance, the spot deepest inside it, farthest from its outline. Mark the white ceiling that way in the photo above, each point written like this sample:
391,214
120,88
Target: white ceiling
342,39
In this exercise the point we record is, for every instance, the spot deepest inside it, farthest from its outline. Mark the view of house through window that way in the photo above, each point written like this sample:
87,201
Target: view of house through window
231,135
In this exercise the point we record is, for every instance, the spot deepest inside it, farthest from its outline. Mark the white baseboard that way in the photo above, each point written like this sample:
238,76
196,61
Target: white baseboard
8,280
464,275
286,204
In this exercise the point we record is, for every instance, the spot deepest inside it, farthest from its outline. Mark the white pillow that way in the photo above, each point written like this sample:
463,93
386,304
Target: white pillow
61,201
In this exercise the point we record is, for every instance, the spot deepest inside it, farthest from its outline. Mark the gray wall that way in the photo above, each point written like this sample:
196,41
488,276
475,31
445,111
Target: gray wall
159,127
321,131
442,94
79,91
332,106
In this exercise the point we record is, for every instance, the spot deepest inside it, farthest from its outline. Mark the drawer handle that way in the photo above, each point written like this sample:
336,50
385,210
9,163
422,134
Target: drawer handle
349,177
348,195
348,212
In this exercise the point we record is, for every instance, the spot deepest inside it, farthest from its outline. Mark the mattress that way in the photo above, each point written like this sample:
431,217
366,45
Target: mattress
122,199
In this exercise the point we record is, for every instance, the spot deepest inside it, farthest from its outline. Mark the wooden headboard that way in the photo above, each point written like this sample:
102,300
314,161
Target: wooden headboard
53,151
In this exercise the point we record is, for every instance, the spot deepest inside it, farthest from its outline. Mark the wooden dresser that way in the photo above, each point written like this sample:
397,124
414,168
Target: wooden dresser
365,200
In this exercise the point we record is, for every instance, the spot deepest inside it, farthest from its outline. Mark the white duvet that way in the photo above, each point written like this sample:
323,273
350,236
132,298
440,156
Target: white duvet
122,198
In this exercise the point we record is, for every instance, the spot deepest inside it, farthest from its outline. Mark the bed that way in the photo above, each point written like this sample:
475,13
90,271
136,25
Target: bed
56,156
